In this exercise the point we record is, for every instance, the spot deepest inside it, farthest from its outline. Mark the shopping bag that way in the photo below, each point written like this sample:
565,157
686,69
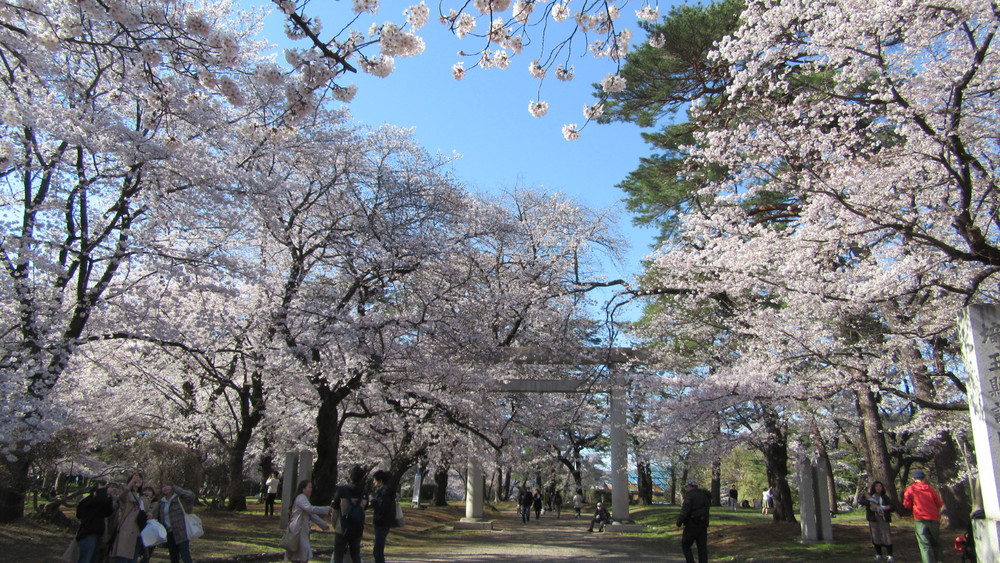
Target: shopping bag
289,541
193,525
153,534
399,515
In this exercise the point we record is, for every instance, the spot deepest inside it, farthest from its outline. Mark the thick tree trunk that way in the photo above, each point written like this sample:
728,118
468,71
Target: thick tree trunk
13,487
441,486
775,451
955,495
716,483
328,425
644,483
876,451
824,458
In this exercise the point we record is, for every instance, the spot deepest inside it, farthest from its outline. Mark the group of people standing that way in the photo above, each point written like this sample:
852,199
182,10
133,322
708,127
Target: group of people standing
113,517
348,500
924,501
528,500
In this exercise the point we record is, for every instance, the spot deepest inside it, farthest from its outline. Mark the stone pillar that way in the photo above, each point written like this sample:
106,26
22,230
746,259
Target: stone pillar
418,481
619,452
474,518
979,331
814,503
289,476
305,465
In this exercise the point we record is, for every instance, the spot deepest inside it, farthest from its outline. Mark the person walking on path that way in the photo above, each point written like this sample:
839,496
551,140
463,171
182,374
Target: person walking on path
578,502
601,517
694,518
877,512
524,501
733,498
926,505
536,503
557,504
302,515
271,494
383,513
343,499
172,512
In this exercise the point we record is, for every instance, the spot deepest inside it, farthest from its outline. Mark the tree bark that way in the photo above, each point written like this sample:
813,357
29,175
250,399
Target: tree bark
876,451
775,450
441,486
644,483
716,482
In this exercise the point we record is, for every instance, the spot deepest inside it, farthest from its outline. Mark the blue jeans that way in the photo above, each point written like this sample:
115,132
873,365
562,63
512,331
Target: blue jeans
378,550
177,550
88,548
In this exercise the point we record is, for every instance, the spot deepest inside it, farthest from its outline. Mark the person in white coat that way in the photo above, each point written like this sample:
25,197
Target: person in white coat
302,515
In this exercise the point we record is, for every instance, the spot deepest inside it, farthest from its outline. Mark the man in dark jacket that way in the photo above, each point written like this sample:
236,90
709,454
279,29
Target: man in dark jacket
92,512
694,518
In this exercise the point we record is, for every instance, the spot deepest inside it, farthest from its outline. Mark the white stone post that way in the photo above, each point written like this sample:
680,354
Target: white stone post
474,517
814,503
288,477
979,331
619,452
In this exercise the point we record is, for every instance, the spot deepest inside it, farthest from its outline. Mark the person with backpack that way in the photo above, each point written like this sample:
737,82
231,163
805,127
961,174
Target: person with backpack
349,503
694,518
383,513
302,514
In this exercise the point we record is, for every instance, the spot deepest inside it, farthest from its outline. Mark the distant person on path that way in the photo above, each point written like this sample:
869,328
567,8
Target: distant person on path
766,502
536,503
271,494
733,498
383,513
557,503
524,501
578,502
694,518
172,512
877,512
601,517
93,512
926,505
343,499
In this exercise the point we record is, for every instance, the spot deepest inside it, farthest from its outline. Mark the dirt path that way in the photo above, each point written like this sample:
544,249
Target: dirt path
545,540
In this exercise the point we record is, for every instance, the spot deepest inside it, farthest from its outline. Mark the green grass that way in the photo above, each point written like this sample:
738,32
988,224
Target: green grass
732,536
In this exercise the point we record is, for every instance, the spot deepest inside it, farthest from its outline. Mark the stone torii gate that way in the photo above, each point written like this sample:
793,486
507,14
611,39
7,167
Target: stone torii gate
474,516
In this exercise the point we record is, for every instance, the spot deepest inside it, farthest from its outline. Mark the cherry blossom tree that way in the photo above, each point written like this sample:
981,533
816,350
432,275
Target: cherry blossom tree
866,129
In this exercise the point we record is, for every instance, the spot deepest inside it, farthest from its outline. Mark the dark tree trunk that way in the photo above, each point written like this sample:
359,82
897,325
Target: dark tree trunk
775,451
13,487
716,483
955,514
251,401
328,426
876,451
441,486
506,484
644,482
824,458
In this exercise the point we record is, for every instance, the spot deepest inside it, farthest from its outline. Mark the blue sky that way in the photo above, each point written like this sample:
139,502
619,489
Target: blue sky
484,117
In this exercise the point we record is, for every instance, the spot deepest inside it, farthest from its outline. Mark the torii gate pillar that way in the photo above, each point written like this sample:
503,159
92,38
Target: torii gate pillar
619,460
474,517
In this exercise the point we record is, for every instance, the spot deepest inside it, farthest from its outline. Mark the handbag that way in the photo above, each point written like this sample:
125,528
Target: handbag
72,553
289,541
400,520
153,534
193,525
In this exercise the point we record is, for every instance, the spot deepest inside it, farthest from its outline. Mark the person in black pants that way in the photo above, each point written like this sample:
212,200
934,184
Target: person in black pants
694,518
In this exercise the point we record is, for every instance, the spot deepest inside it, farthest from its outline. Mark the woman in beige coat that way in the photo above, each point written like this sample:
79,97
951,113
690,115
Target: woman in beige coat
303,515
126,544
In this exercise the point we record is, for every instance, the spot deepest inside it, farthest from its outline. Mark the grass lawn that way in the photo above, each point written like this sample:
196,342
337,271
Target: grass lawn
732,536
